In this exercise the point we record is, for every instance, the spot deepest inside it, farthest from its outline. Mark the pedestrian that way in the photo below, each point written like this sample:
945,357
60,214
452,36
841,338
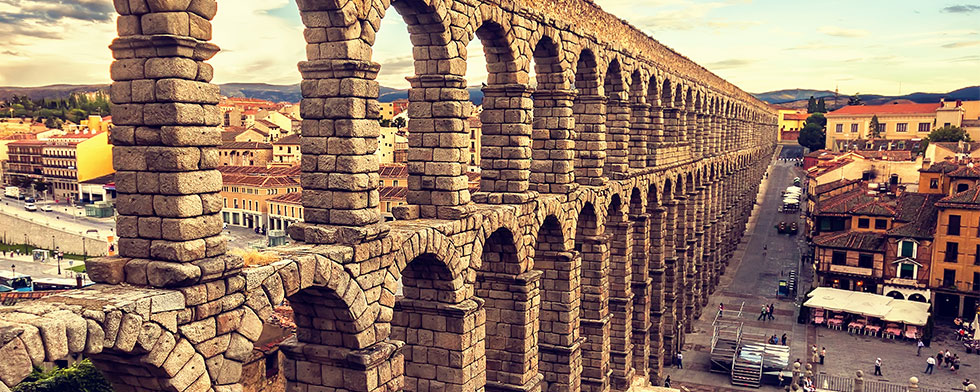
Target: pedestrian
956,363
823,353
966,384
784,339
667,382
762,313
680,360
781,379
918,349
948,358
772,308
930,364
878,367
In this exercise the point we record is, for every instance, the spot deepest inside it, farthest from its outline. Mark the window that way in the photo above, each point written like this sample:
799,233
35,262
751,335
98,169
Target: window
907,248
952,252
838,258
881,128
934,183
962,187
954,225
854,128
881,224
866,260
947,124
907,271
394,183
976,281
949,277
925,127
864,223
902,127
976,256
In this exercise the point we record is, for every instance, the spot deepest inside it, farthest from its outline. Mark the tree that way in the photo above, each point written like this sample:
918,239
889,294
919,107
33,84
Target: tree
813,137
874,129
855,100
817,119
811,105
821,106
949,134
399,122
81,377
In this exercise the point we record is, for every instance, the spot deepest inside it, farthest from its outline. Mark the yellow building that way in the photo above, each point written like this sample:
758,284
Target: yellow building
387,110
73,158
286,151
908,121
955,275
791,123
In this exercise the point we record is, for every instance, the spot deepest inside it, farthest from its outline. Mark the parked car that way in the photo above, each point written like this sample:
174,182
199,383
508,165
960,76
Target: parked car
30,206
781,227
793,228
46,208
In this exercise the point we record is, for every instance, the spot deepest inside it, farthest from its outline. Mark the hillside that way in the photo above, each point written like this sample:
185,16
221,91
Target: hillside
964,94
791,95
50,92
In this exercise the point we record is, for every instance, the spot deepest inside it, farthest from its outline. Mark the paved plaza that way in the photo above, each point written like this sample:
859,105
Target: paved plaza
765,257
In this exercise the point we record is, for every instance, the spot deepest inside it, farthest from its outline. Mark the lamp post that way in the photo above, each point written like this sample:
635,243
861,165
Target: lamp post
56,250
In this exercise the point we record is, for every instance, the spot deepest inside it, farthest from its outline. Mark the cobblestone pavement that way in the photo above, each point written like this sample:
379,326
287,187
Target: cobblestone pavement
765,257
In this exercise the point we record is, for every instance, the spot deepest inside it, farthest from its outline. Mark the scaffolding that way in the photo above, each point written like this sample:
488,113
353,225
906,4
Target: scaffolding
743,351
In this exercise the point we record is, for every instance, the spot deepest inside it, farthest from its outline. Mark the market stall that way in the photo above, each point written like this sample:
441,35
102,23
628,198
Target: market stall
867,313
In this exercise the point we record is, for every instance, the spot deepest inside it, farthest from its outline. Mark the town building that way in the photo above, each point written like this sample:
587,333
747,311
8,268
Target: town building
247,189
791,122
897,121
476,134
97,189
875,239
239,134
74,158
956,258
893,167
941,151
25,163
284,210
286,151
245,154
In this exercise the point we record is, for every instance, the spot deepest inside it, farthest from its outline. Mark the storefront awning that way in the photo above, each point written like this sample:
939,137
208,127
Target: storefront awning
869,305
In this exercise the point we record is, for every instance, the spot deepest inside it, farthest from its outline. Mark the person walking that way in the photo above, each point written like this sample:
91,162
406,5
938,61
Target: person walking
783,339
930,364
939,358
762,313
823,353
772,308
918,349
878,367
667,382
680,360
948,358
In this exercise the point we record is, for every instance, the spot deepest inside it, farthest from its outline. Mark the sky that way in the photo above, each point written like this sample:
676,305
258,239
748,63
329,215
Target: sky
868,46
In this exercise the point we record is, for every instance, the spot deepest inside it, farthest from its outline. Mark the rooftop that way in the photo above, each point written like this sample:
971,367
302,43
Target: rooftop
901,108
245,146
858,240
259,176
289,198
292,140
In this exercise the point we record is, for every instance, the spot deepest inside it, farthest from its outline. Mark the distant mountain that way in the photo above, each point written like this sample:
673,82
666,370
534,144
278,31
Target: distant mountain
52,91
791,95
291,93
964,94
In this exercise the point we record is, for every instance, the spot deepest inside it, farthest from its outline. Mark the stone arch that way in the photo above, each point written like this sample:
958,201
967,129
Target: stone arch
639,121
493,222
590,122
553,144
591,242
617,119
437,248
559,336
895,294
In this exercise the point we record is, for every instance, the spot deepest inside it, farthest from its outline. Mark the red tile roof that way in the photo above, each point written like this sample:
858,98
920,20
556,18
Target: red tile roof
292,140
245,146
902,108
392,192
795,116
289,198
394,170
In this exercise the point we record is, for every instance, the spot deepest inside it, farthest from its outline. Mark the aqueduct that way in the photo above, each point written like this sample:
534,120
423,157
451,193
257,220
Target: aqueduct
613,194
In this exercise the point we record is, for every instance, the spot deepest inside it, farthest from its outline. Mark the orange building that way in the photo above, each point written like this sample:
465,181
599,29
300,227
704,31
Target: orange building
955,274
245,153
247,189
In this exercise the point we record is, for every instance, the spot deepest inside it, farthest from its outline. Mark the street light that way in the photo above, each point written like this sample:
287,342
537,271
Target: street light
56,249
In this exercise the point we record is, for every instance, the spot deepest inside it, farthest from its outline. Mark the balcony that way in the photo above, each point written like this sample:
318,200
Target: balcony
846,269
958,285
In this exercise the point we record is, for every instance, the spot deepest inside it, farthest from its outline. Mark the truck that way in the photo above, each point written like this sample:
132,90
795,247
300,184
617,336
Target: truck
12,191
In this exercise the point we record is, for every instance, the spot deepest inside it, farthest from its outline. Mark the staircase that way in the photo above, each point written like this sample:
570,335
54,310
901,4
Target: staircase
747,373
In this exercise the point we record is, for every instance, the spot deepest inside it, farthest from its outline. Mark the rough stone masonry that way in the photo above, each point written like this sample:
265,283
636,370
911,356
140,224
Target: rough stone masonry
613,193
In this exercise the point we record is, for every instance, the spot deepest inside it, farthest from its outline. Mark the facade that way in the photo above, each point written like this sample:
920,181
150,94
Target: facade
390,139
97,189
239,134
245,154
286,151
25,162
941,151
907,121
898,167
284,210
956,257
791,122
476,133
246,191
75,158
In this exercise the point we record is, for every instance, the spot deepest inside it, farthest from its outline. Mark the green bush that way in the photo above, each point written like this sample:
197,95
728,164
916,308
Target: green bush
80,377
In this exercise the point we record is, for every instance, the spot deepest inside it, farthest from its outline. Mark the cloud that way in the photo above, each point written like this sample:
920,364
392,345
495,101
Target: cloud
731,63
962,9
835,31
961,44
12,11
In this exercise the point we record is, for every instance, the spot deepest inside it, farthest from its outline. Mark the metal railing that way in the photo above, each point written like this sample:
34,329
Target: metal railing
846,384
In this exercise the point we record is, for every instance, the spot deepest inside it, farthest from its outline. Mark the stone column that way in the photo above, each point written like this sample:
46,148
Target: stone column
166,116
617,136
310,366
621,301
658,290
657,136
640,141
595,316
690,260
553,144
512,308
445,344
340,137
505,154
560,345
641,289
590,141
674,285
438,145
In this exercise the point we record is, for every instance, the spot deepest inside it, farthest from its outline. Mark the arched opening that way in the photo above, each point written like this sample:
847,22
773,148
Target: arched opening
505,151
553,148
670,115
619,231
512,300
617,121
639,120
592,243
918,298
895,294
640,283
590,122
559,338
427,308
